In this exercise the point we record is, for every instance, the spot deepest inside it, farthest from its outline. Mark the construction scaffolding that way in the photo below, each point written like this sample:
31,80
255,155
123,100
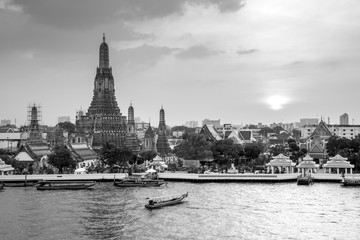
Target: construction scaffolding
34,118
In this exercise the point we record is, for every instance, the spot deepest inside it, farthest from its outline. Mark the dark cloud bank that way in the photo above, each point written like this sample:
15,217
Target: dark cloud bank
82,14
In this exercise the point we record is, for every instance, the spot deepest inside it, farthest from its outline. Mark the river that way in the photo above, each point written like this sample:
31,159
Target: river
211,211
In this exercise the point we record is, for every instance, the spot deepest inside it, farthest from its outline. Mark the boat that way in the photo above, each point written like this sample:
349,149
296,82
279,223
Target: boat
19,184
159,202
138,182
305,180
64,185
350,181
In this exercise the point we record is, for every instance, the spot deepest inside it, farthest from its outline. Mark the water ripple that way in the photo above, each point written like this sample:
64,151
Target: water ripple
212,211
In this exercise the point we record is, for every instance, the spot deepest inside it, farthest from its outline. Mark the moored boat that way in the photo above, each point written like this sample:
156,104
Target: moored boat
350,181
159,202
64,185
19,184
138,183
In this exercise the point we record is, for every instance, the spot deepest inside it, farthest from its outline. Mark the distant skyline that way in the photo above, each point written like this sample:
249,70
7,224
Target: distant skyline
234,60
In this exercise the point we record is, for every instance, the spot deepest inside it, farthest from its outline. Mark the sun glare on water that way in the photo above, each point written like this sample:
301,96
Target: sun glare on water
276,102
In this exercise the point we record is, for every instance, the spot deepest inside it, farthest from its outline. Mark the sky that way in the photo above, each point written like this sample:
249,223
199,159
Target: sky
238,61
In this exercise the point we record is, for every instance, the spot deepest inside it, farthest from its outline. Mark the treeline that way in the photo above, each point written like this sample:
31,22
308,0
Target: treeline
348,148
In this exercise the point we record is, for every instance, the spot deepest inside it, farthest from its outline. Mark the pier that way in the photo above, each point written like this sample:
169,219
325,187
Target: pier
176,176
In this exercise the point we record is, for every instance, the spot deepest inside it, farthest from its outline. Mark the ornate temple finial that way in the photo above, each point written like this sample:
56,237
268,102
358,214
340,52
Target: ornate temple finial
103,37
130,102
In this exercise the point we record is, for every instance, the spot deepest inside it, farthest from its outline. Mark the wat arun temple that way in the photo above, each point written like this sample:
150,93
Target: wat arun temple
104,123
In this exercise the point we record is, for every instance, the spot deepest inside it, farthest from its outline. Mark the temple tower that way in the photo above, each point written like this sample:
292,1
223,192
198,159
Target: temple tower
149,139
104,100
162,144
131,141
131,120
34,118
103,121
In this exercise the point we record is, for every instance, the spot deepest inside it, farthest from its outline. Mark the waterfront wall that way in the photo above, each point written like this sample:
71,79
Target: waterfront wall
177,176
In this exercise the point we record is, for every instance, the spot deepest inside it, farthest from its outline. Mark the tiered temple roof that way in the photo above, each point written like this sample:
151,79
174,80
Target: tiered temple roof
38,149
280,160
104,120
81,152
338,162
307,162
211,133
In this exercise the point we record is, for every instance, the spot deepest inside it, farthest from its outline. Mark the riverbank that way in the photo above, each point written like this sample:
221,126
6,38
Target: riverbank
175,176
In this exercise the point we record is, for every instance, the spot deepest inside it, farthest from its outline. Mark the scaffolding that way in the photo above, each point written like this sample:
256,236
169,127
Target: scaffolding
34,115
34,118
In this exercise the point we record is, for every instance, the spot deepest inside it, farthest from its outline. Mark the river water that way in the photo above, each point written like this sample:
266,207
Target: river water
211,211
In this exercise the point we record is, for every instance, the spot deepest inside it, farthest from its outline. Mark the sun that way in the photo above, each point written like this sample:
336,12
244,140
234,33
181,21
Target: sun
277,102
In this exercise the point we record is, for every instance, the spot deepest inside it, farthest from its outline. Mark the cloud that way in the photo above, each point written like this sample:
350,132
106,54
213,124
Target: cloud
229,5
86,14
144,55
248,51
197,51
6,4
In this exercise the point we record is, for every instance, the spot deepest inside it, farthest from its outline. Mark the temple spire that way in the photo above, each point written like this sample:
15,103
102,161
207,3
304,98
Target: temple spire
104,54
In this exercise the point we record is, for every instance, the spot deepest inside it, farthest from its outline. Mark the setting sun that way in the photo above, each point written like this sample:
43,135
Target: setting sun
276,102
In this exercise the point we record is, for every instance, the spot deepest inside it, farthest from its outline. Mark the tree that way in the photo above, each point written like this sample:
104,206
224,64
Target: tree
275,150
61,158
252,150
346,148
293,146
111,155
355,160
265,130
335,144
67,126
5,157
226,152
194,147
148,155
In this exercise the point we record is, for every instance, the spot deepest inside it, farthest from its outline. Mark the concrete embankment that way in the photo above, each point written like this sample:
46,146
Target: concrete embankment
177,176
101,177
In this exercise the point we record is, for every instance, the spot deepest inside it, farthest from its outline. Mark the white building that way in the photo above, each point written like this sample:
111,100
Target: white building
63,119
215,123
191,124
308,121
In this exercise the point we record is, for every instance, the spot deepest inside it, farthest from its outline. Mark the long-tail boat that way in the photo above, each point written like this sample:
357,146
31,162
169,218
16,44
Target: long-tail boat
64,185
158,202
